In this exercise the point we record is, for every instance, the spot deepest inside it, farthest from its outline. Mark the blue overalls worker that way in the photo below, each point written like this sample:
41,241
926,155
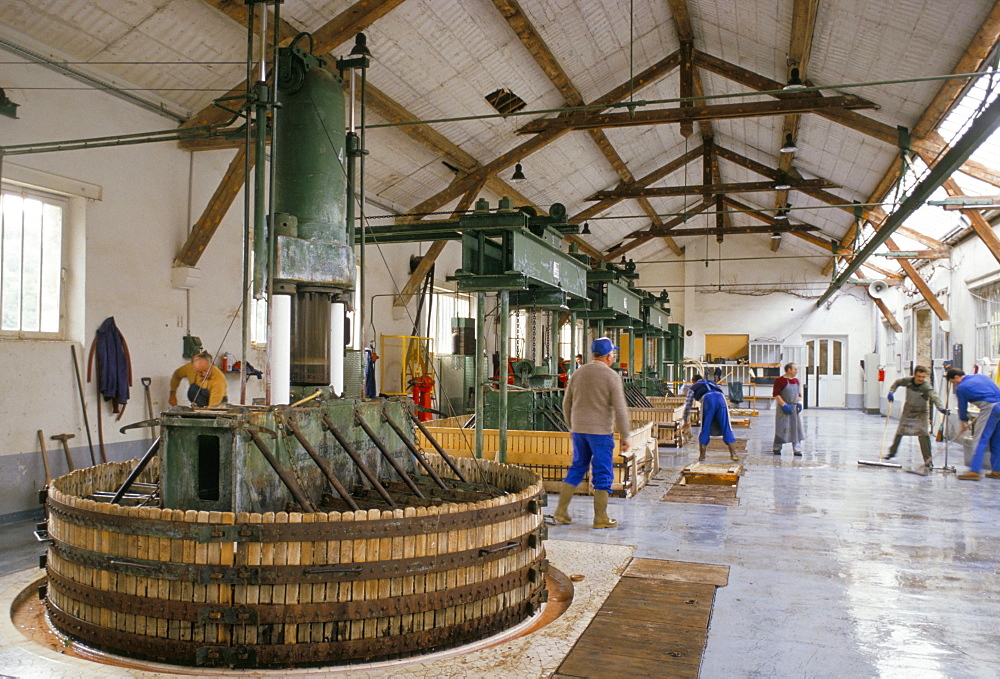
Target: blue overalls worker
980,390
714,416
594,403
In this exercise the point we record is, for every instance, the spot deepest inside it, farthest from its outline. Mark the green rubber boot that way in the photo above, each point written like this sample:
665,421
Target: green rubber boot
701,453
601,519
562,509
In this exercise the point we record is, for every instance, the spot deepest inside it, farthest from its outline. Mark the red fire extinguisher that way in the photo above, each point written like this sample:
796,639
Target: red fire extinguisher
881,375
422,388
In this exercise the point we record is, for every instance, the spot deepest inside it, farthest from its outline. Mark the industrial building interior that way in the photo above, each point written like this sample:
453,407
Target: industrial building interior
366,210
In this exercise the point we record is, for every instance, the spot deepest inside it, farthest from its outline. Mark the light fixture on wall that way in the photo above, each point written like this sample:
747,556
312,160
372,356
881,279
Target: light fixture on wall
783,212
775,236
782,183
794,81
586,229
789,146
518,176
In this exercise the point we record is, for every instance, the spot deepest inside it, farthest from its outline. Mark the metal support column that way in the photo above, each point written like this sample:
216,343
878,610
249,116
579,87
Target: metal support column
504,359
480,368
554,343
571,368
631,352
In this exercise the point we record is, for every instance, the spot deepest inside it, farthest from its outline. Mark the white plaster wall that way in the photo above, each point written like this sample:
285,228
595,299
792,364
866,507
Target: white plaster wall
120,264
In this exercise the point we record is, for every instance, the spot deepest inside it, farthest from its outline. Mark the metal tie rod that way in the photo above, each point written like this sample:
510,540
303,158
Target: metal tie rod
417,453
322,463
286,478
439,449
387,455
150,454
353,454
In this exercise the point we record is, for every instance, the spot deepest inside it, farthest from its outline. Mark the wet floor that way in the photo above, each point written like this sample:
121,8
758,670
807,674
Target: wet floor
836,570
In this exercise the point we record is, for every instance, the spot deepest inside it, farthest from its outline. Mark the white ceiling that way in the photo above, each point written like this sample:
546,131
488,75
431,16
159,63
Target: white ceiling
438,58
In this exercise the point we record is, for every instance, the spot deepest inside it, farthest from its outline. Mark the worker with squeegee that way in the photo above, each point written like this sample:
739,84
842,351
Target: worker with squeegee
913,421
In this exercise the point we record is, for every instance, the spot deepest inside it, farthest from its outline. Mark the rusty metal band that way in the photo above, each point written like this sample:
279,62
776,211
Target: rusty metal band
292,532
298,574
260,614
276,655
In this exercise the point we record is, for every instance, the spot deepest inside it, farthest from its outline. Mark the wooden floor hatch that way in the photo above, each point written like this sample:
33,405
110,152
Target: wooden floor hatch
653,624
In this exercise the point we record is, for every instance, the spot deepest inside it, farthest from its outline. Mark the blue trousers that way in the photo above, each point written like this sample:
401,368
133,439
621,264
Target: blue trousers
990,438
592,450
714,409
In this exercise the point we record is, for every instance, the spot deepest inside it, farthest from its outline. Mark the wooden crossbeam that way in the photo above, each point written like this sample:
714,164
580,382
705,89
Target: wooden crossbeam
218,205
654,176
641,237
918,281
762,216
708,189
516,154
744,109
546,60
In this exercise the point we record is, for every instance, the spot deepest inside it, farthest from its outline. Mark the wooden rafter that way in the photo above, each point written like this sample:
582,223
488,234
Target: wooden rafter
547,61
762,216
979,48
745,109
654,176
708,189
644,236
932,144
218,205
505,160
918,281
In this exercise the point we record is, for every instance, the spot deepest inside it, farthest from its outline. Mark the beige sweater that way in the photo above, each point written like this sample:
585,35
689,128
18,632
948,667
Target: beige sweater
595,400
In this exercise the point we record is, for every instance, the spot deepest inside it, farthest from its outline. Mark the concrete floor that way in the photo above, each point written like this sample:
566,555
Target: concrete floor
836,570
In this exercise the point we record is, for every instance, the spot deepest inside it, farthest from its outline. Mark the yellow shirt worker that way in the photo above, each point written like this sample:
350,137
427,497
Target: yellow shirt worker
207,383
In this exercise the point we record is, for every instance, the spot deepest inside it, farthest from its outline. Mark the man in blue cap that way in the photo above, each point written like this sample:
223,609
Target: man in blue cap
593,404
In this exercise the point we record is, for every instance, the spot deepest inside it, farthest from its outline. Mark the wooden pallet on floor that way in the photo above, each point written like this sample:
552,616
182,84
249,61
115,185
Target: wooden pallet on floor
702,473
702,495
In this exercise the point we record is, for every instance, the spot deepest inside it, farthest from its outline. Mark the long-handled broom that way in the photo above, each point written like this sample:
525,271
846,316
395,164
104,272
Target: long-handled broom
882,462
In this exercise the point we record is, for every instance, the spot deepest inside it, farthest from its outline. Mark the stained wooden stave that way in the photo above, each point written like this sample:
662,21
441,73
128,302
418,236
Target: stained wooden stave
139,632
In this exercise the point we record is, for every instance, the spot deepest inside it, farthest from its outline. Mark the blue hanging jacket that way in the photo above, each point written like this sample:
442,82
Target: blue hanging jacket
113,365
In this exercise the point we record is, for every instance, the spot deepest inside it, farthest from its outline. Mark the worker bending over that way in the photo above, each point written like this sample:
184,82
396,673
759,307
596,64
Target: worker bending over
985,394
714,416
207,383
914,421
593,404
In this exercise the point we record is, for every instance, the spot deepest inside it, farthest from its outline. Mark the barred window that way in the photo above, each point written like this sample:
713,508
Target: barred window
987,304
31,261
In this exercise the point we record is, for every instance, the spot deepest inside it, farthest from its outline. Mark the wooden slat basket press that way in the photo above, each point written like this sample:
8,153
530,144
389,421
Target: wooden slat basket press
290,588
549,454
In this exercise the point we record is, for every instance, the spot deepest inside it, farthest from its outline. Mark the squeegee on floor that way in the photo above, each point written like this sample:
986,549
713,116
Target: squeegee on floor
882,462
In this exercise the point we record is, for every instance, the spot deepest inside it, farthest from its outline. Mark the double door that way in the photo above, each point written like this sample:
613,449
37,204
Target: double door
825,384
